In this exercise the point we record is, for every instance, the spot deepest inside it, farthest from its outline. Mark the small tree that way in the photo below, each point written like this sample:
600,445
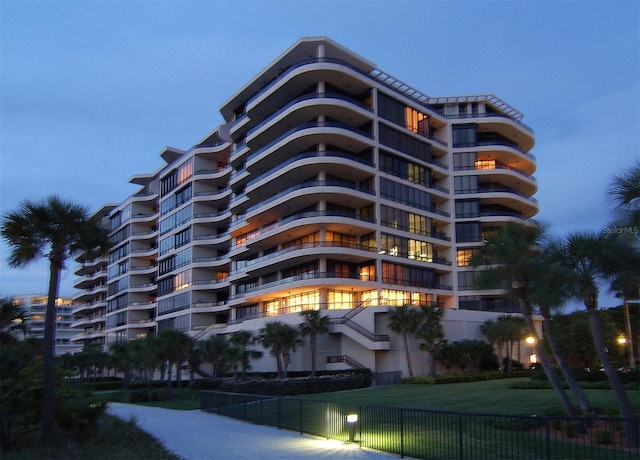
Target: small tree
281,340
405,320
239,354
314,325
431,333
214,353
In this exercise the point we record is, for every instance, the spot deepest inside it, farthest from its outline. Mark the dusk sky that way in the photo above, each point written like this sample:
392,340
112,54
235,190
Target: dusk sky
91,91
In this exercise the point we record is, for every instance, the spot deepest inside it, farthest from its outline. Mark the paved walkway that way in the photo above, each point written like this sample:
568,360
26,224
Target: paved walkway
196,435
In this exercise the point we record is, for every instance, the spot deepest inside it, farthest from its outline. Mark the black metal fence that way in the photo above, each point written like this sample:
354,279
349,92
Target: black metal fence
428,434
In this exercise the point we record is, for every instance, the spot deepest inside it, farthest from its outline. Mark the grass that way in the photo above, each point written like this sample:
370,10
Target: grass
491,397
439,434
112,439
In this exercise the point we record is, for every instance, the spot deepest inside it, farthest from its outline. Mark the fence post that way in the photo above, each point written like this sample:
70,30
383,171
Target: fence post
279,413
401,433
300,415
261,409
548,430
460,450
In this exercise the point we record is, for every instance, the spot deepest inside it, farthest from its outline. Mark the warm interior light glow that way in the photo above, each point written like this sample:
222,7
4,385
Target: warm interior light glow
530,340
533,359
622,340
485,164
352,418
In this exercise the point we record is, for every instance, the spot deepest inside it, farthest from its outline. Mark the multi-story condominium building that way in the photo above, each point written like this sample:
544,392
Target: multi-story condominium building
35,306
332,186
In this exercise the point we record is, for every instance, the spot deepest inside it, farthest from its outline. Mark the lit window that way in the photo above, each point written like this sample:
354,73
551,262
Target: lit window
485,164
464,256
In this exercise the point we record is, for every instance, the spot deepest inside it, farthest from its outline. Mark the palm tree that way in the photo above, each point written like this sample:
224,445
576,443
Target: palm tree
314,325
431,333
214,353
238,352
56,229
503,333
591,259
624,193
122,354
194,358
281,340
174,348
12,318
553,290
405,320
512,257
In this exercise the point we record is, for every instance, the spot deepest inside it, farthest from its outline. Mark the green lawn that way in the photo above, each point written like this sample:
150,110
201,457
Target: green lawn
493,397
444,435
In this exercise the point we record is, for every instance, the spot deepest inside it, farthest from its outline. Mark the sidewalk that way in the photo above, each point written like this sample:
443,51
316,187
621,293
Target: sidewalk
196,435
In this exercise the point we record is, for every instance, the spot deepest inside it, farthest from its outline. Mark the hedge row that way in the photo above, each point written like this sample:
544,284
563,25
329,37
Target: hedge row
289,386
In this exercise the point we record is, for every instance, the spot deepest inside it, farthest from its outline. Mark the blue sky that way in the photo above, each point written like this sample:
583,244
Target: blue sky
92,91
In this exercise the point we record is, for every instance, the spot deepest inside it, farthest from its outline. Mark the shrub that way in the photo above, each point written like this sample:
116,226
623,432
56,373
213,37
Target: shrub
299,385
604,437
420,379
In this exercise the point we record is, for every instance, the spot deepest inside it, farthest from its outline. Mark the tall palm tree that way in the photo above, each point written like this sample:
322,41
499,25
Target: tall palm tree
512,257
56,229
174,348
591,258
314,325
553,290
431,333
624,193
405,320
214,353
12,318
281,340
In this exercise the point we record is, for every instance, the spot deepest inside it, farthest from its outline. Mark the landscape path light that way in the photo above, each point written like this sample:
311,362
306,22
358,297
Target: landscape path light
352,421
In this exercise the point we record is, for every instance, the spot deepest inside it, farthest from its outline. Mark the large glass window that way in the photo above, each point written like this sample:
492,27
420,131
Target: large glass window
405,194
464,256
466,184
416,121
467,208
464,161
404,220
404,143
468,232
340,300
464,135
406,247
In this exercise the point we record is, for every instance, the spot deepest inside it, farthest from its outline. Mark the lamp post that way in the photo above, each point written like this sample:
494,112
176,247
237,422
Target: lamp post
533,358
352,420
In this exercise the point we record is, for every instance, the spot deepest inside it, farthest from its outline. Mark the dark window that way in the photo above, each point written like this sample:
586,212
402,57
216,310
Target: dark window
464,135
464,161
404,143
467,208
468,232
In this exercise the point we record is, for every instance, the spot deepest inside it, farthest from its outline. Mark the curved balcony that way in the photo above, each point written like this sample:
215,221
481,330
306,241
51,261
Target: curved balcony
299,253
337,107
309,164
307,281
270,206
298,77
